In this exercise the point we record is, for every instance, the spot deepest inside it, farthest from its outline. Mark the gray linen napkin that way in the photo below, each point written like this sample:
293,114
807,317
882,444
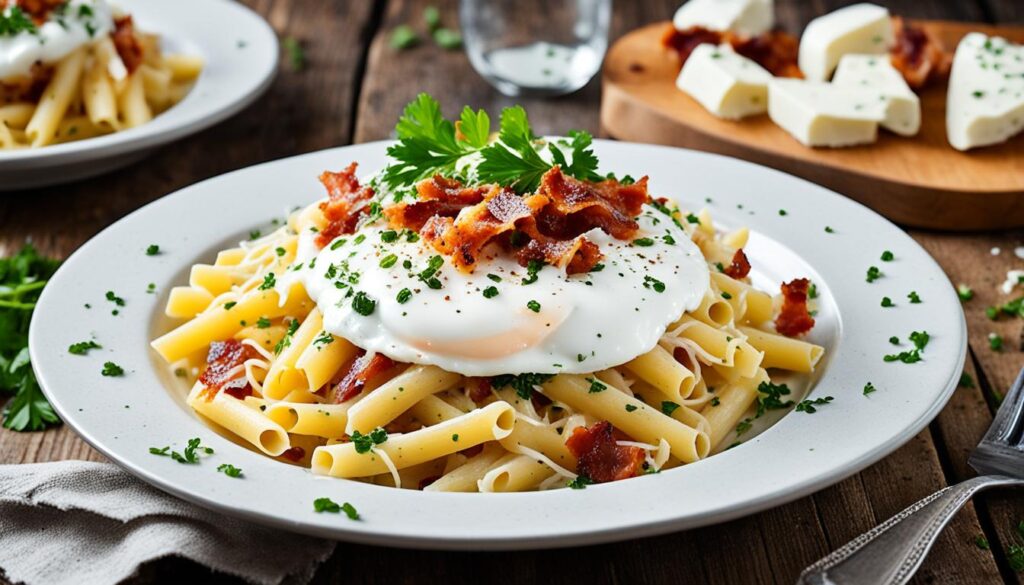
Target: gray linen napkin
79,522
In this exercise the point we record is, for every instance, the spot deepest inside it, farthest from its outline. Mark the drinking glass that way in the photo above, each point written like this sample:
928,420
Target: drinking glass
535,47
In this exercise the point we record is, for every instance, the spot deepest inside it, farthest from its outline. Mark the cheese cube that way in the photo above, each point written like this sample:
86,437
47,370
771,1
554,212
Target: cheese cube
823,114
875,72
985,103
727,84
746,17
859,28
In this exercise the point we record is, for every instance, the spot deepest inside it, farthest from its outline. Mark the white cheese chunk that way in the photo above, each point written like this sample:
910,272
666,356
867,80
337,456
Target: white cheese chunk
860,28
746,17
824,114
875,72
985,103
727,84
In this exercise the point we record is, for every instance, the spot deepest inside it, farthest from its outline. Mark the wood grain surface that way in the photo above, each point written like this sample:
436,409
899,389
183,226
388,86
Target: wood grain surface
352,91
897,176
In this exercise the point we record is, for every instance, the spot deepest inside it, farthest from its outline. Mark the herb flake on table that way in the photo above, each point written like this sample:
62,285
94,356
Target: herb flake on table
22,278
296,56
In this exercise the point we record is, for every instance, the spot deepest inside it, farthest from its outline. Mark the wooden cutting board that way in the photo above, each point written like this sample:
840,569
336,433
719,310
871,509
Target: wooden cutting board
920,181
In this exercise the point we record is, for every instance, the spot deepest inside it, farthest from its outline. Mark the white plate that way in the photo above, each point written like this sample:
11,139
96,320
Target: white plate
123,417
240,53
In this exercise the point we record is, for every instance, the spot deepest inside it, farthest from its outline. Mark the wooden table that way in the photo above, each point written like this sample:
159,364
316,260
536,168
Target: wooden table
353,91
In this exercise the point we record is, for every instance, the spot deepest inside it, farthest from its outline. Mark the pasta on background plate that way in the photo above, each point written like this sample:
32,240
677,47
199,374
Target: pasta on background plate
486,313
77,69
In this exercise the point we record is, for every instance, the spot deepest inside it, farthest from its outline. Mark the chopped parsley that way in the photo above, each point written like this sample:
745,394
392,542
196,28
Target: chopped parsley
808,406
111,369
580,482
269,281
494,277
995,342
887,302
15,21
286,341
533,306
630,407
829,230
920,340
403,37
783,212
153,249
324,338
490,292
363,304
523,384
229,304
887,256
296,53
1012,308
403,296
388,261
364,443
981,542
262,323
532,268
914,298
189,455
691,218
668,239
330,506
643,242
118,301
229,470
964,292
726,295
894,340
654,283
280,251
873,274
596,386
83,347
966,381
869,388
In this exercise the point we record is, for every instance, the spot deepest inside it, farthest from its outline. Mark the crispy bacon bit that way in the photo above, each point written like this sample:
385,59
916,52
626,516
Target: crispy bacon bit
347,203
294,454
775,50
683,42
600,457
126,43
26,88
221,361
460,222
360,371
39,10
794,319
917,54
472,451
740,266
479,389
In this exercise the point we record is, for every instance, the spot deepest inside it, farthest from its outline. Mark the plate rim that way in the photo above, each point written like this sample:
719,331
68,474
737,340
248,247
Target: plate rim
766,500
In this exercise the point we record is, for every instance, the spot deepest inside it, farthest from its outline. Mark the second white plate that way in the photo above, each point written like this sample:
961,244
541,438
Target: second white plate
240,55
123,417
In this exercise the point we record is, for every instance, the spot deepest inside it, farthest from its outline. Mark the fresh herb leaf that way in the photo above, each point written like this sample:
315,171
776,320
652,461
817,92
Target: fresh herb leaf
364,443
580,482
153,249
403,37
447,39
808,406
229,470
523,384
668,407
596,386
83,347
869,388
296,54
112,370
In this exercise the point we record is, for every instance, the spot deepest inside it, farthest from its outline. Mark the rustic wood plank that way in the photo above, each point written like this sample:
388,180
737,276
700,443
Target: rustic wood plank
1004,11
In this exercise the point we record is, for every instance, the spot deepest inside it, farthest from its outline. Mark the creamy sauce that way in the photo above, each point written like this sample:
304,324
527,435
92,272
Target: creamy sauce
584,323
82,22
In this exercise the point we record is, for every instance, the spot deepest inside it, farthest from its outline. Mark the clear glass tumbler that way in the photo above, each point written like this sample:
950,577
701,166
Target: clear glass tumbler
536,47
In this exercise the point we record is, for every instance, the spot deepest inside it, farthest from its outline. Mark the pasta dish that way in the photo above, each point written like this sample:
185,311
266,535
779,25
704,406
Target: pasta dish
487,313
76,69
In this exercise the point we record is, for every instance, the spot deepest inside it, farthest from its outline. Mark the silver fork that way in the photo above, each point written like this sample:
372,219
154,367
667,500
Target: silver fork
891,553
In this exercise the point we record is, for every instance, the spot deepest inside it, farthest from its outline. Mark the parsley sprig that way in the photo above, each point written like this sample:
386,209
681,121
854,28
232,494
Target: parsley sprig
22,278
428,144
